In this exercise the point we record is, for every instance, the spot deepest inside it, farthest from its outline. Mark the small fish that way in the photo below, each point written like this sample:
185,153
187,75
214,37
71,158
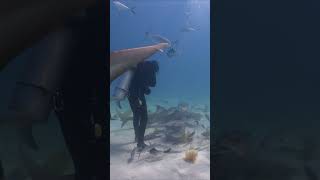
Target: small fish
124,117
123,7
188,29
160,109
157,38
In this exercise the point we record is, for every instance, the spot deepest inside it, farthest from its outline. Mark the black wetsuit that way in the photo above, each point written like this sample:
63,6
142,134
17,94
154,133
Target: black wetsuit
84,96
1,171
144,78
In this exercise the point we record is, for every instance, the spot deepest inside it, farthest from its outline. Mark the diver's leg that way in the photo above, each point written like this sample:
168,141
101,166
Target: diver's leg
134,104
100,110
74,125
143,121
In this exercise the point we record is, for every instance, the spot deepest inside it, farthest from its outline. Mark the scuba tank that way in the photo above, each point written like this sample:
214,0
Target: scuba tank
122,89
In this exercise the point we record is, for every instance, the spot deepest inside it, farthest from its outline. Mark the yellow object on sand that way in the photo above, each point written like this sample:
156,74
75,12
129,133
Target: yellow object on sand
191,155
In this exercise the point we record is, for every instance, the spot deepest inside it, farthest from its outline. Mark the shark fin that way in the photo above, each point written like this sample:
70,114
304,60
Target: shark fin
124,122
26,137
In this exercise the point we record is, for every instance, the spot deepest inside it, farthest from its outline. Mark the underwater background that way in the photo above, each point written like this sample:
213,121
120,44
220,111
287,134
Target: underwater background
179,105
186,75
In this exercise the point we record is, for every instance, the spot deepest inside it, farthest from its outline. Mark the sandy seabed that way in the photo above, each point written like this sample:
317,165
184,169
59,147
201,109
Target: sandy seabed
163,166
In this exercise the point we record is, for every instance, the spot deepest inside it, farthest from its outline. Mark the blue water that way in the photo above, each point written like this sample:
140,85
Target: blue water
186,76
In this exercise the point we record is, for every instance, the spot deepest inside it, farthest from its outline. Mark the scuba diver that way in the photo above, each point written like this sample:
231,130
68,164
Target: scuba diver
143,78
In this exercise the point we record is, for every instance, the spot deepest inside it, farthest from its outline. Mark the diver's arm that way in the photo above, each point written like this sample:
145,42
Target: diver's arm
22,26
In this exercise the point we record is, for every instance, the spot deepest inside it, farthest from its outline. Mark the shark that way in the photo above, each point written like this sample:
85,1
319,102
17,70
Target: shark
123,60
122,7
125,117
188,29
120,62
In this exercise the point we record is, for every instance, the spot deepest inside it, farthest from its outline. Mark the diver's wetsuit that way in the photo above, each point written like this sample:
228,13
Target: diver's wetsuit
84,96
144,77
1,171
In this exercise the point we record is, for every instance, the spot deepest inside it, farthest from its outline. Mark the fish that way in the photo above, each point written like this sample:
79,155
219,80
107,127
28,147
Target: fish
160,108
122,7
157,38
125,117
188,29
123,60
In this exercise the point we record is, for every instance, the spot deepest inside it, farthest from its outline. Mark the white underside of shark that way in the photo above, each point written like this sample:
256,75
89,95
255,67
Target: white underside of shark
123,60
